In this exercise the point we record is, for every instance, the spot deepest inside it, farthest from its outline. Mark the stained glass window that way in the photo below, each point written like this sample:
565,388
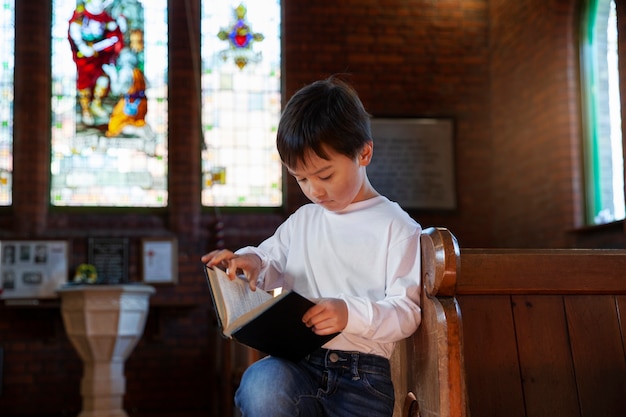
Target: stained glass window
109,103
7,42
241,100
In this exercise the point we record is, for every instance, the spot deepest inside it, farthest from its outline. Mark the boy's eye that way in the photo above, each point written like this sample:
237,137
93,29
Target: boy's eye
325,178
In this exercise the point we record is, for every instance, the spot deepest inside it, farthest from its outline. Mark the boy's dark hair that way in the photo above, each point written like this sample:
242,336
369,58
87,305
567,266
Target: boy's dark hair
325,113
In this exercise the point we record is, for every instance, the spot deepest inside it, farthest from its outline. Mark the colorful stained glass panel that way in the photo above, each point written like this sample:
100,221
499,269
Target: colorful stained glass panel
7,62
109,103
241,103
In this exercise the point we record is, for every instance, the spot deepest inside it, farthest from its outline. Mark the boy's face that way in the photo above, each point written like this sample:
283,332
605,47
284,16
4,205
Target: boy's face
336,182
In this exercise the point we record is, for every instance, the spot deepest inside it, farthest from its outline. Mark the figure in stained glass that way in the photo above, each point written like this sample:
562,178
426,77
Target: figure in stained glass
96,40
109,103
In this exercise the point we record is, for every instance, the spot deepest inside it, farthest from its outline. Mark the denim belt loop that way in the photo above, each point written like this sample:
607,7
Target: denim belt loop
355,367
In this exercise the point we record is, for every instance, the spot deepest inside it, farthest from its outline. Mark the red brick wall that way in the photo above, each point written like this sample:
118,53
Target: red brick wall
504,70
409,59
536,166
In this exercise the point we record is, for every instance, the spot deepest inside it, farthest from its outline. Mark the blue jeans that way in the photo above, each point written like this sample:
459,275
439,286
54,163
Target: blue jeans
328,383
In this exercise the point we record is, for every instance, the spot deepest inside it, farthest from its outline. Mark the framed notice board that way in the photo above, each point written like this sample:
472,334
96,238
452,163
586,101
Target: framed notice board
413,162
32,268
159,260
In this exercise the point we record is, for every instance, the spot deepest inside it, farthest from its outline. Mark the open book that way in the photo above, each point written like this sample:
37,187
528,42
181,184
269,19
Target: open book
257,319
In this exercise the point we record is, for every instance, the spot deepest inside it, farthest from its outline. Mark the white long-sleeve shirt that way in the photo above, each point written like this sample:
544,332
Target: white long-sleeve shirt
367,255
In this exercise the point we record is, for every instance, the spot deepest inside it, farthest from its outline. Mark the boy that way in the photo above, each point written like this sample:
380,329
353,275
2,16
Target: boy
353,251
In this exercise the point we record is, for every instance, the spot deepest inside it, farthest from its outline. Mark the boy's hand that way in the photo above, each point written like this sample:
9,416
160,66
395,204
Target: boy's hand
233,264
328,316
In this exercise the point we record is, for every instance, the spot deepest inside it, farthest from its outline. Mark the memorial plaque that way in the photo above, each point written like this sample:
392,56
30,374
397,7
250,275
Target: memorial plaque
110,257
413,162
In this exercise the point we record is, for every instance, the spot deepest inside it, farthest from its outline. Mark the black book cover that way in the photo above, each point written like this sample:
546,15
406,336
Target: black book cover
279,330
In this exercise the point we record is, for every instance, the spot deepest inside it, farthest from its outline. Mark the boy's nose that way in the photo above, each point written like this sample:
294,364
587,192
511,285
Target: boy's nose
316,191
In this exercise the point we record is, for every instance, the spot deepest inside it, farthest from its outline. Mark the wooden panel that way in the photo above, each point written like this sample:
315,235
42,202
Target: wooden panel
492,369
542,272
545,356
598,352
621,316
569,331
401,370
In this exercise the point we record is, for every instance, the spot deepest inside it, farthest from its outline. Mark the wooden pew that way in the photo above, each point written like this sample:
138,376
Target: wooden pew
428,368
544,332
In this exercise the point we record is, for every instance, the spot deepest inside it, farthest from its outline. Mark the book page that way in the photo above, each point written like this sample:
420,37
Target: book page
236,297
253,312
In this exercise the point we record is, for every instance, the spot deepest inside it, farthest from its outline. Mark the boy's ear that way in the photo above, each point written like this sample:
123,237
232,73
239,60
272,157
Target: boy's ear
365,157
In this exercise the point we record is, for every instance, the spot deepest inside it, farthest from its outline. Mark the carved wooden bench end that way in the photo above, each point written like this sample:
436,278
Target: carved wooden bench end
428,368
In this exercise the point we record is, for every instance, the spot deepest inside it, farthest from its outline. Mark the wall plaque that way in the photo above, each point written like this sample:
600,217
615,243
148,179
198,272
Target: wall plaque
159,260
32,269
413,162
110,257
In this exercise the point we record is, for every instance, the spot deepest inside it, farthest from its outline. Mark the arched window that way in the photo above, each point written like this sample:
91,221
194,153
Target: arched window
604,162
241,101
7,63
